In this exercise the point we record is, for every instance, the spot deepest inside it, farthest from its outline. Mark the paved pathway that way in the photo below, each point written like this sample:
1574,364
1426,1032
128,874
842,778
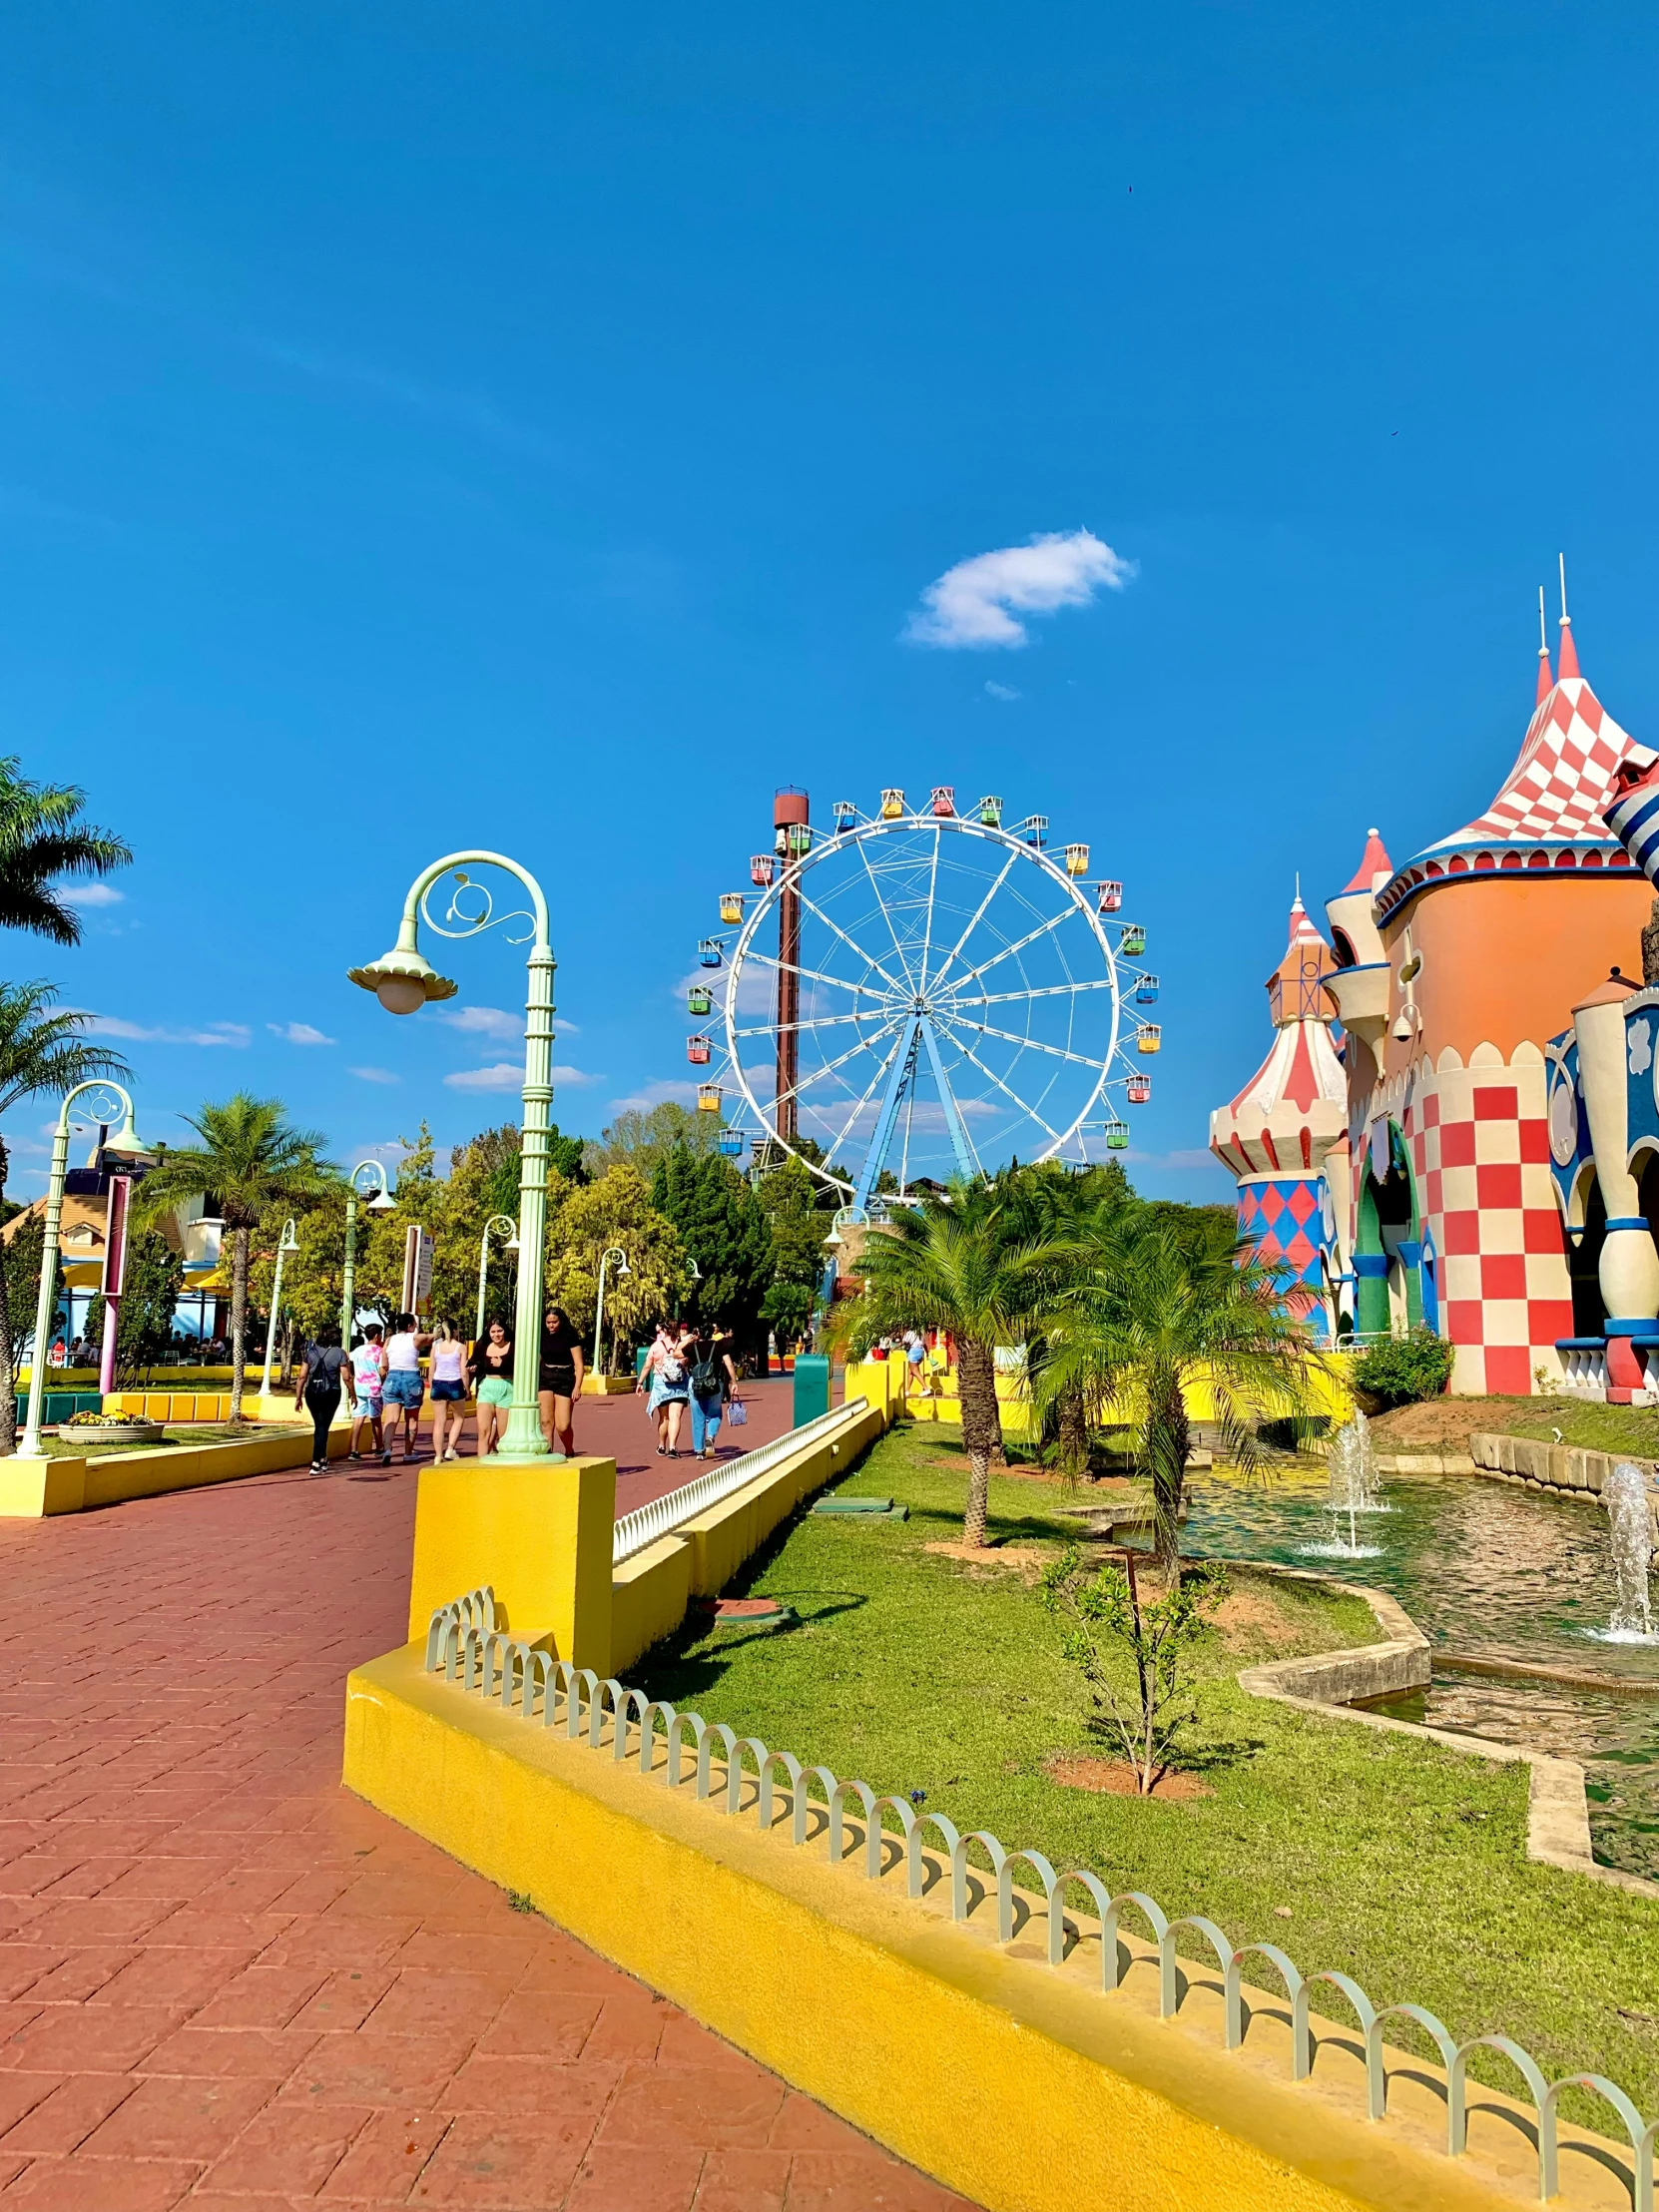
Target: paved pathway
226,1982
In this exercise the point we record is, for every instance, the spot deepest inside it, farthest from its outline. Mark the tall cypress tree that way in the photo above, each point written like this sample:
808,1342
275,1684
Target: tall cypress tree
723,1228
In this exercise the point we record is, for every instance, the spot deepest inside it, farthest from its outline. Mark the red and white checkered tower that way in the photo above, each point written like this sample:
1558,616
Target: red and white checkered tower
1278,1135
1453,977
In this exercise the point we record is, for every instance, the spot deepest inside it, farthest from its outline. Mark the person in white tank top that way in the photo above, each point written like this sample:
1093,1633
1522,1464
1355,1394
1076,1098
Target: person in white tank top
451,1378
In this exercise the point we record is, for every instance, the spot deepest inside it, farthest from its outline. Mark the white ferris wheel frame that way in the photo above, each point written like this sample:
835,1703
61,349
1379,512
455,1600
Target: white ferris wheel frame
843,839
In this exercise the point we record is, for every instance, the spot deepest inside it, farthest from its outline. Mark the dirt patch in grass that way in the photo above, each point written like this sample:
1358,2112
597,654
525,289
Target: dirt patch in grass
1450,1421
1117,1777
1248,1616
1022,1558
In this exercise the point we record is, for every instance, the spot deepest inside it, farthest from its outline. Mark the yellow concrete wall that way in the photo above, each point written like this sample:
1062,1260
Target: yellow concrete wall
538,1531
30,1488
1019,2086
649,1597
733,1530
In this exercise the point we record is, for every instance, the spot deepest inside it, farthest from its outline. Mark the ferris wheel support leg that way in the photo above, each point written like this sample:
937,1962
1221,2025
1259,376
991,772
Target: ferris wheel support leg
965,1161
904,1075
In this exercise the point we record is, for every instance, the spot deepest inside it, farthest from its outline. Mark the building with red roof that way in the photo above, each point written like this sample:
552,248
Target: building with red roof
1453,973
1277,1137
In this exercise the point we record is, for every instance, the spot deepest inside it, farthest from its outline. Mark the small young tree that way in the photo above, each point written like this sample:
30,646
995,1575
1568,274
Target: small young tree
1103,1608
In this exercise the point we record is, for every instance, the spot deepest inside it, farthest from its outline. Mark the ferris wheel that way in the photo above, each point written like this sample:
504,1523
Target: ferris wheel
918,994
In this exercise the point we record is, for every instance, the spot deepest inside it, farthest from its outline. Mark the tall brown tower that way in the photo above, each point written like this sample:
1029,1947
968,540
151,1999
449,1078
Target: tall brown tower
793,841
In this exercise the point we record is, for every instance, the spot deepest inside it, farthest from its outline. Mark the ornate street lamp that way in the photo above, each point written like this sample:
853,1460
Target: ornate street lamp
125,1145
404,979
616,1253
380,1203
495,1222
290,1243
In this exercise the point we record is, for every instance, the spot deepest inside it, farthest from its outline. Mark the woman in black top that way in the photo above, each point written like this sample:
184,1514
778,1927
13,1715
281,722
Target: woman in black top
560,1382
318,1391
492,1379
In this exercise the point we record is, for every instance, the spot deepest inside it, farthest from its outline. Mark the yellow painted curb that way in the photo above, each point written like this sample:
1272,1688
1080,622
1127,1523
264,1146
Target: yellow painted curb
1017,2084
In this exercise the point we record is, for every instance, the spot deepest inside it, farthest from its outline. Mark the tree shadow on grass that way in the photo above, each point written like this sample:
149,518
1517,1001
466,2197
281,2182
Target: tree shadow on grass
695,1657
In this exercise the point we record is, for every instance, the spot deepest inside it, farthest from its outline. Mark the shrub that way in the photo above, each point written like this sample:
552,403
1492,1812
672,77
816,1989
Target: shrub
1401,1370
1292,1433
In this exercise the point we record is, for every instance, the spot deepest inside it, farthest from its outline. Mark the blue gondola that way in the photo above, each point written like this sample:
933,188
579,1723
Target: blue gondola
1146,990
710,952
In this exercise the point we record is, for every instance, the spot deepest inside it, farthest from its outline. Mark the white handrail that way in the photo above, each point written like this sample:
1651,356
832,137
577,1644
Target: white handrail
665,1514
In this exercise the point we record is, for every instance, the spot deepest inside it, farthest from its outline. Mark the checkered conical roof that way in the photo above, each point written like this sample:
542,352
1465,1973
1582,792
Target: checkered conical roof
1552,799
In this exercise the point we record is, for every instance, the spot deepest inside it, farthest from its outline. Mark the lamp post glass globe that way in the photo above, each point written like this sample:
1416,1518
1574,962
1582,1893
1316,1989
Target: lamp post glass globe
400,994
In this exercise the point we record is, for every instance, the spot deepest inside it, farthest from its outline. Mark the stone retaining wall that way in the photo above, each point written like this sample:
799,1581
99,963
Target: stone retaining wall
1565,1468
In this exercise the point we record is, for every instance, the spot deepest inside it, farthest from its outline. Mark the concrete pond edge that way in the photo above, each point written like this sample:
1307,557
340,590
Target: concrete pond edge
1558,1813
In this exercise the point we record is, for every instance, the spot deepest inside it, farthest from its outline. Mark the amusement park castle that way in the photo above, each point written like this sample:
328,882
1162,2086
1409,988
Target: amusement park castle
1456,1126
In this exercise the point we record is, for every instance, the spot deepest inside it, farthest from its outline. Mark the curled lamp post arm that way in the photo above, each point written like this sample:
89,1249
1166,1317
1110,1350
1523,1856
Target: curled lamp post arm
47,1298
404,979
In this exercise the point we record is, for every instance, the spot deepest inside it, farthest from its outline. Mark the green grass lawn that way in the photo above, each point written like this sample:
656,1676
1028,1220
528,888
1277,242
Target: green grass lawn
1594,1427
1402,1863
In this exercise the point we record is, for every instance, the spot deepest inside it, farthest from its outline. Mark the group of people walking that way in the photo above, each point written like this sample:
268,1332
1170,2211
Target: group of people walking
380,1380
693,1369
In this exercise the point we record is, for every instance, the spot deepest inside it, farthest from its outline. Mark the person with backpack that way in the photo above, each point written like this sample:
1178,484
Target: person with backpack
664,1383
317,1391
712,1379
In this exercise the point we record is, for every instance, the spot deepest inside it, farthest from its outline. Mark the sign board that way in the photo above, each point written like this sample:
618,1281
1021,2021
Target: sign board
417,1272
115,1236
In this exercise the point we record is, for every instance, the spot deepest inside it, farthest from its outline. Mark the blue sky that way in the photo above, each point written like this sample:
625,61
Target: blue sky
536,427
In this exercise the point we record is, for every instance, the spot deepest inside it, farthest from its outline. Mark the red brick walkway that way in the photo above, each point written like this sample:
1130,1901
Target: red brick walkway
224,1983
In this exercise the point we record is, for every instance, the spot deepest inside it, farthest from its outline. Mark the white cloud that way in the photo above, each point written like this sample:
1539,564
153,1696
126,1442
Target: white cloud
976,602
508,1075
656,1094
130,1032
90,894
297,1032
1003,691
495,1022
374,1075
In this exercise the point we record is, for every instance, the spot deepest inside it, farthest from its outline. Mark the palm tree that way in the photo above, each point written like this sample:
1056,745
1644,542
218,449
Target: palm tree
969,1263
42,837
1152,1314
250,1157
42,1053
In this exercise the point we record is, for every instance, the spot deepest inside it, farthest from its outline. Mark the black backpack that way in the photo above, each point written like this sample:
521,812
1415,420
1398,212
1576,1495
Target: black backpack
706,1377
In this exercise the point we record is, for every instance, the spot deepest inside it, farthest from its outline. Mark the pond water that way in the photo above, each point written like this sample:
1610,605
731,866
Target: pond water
1492,1571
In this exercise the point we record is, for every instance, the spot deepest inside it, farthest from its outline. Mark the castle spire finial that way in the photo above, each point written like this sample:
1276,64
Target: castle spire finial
1569,652
1547,679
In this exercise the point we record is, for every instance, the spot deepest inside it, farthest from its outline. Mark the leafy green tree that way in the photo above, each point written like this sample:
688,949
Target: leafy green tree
789,1199
313,1278
20,1257
975,1265
43,837
642,1137
1103,1607
152,1281
614,1209
248,1158
42,1053
1146,1318
723,1228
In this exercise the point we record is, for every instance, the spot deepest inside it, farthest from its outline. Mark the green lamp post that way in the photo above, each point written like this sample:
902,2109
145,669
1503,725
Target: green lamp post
404,981
496,1223
380,1203
125,1145
616,1253
290,1243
